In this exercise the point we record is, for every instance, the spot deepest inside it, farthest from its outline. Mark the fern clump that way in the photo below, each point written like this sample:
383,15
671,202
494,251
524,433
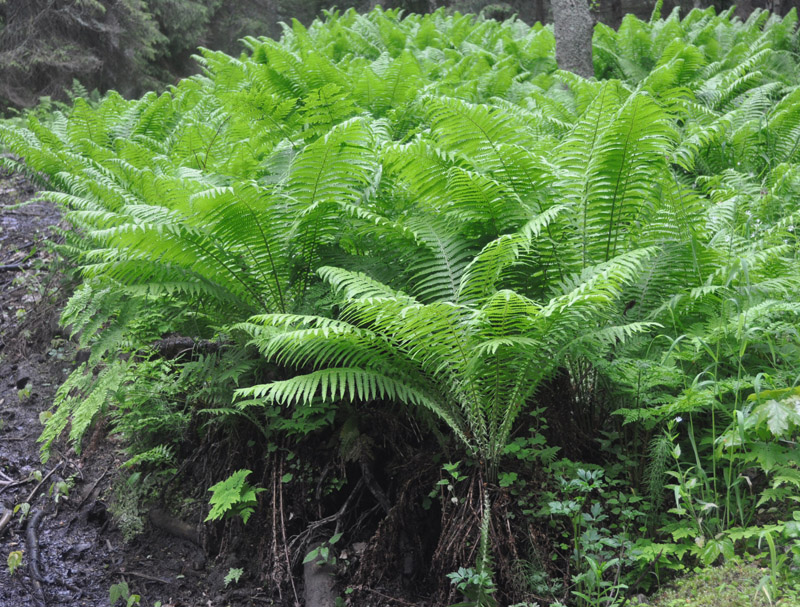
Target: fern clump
425,210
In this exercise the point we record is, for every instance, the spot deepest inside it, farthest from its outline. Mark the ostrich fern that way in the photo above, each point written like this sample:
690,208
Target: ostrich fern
480,216
474,365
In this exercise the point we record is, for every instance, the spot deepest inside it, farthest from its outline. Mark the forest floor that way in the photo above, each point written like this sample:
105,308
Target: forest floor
72,551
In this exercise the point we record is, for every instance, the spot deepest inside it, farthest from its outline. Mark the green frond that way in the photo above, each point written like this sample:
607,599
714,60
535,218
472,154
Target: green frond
439,266
474,130
352,285
622,174
425,210
334,168
351,384
484,273
78,401
598,285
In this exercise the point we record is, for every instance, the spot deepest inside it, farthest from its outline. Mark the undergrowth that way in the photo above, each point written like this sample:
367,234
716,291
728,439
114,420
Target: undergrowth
580,290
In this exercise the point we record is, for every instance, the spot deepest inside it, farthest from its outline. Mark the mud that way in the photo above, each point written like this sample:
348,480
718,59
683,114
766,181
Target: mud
72,550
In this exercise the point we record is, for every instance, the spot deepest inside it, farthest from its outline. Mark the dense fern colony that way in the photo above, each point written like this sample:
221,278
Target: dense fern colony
425,210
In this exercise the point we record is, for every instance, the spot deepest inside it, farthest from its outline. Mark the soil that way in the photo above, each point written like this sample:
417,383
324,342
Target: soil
81,552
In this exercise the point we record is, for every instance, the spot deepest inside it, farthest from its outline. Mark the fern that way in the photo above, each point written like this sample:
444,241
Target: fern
78,401
473,366
233,496
425,210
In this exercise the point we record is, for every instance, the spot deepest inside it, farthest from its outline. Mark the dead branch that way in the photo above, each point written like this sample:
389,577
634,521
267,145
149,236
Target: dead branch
373,486
92,488
176,346
5,519
42,482
144,576
15,484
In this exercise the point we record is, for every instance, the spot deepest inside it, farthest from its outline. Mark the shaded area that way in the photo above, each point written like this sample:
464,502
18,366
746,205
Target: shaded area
132,46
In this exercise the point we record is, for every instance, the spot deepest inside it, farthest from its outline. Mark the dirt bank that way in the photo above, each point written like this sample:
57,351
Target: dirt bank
71,550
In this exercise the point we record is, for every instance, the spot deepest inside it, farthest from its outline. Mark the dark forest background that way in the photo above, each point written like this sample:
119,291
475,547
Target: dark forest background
136,45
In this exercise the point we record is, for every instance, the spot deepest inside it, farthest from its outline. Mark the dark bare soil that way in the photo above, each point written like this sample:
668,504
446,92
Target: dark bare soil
72,550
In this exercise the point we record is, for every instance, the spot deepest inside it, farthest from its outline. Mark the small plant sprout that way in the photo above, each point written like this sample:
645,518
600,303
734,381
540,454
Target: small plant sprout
232,497
23,509
60,489
14,561
121,592
322,553
234,573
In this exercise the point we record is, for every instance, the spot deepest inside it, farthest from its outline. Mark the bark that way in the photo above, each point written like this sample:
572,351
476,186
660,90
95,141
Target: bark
611,12
743,9
574,26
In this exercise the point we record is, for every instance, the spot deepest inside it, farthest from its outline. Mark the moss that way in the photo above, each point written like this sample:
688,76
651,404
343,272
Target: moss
734,584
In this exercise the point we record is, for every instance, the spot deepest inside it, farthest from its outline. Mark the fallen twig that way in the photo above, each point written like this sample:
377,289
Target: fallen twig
15,484
92,488
11,267
144,576
41,482
5,519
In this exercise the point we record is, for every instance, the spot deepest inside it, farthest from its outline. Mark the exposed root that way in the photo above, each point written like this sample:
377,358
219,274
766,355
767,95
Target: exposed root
283,534
32,544
460,539
297,542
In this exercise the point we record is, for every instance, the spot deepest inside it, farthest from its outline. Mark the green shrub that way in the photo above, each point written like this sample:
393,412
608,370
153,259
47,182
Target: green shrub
425,210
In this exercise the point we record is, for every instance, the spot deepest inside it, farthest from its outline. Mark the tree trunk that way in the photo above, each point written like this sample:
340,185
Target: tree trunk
574,26
743,9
